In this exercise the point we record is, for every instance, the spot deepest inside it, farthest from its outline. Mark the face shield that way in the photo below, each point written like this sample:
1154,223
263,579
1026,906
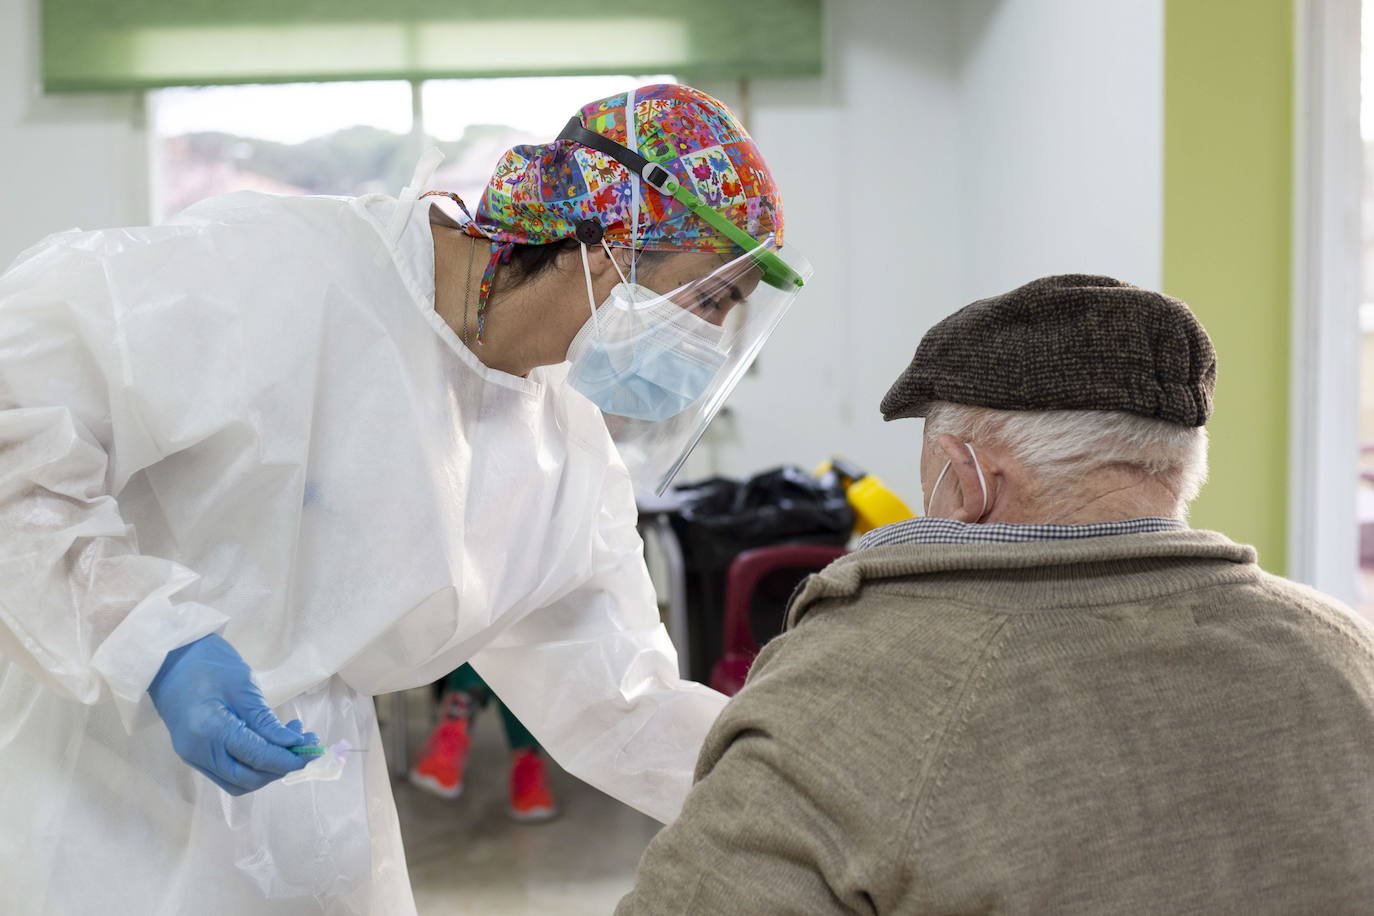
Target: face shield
661,364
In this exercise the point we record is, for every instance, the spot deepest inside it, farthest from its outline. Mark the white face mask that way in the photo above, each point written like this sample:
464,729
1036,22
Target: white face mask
640,355
982,483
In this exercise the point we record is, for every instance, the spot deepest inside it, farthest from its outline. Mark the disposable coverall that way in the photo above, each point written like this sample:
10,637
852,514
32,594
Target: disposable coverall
251,420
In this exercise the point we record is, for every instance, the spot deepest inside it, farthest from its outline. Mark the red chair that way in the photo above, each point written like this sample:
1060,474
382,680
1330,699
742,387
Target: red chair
781,567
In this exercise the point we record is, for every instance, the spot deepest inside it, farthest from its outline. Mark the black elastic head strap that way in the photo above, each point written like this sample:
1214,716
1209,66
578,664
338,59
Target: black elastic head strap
656,176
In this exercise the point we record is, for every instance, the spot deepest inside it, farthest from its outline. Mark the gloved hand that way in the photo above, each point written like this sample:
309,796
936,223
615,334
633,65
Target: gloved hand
219,721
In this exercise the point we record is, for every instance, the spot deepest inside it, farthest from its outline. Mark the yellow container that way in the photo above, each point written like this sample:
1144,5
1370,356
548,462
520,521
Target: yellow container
873,503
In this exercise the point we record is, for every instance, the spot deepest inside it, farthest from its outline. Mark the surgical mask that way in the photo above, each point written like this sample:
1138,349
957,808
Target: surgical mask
982,483
642,356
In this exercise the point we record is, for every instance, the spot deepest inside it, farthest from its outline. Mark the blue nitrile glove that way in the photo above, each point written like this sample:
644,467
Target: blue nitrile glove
219,721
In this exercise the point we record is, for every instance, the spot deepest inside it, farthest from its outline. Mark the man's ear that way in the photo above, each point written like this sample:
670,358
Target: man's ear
970,495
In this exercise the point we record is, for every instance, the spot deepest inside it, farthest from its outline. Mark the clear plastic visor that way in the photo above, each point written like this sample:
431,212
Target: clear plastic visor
647,352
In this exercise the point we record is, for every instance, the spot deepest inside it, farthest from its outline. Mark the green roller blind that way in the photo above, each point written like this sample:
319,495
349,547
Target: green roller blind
142,44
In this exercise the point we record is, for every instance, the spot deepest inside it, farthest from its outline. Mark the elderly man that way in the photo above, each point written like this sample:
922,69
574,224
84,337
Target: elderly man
1049,695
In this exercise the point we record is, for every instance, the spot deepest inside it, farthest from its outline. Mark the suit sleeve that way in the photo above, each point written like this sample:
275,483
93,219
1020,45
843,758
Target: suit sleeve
81,609
595,678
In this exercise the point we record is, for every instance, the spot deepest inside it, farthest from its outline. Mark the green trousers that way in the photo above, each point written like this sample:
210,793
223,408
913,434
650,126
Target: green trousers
467,680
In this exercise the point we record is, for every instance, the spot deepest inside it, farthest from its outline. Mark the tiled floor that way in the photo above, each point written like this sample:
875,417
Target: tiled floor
466,857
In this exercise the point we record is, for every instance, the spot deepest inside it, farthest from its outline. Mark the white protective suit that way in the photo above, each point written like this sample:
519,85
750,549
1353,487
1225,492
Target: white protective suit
251,420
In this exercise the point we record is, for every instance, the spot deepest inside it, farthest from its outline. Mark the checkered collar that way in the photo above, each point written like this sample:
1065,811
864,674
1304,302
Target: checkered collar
927,530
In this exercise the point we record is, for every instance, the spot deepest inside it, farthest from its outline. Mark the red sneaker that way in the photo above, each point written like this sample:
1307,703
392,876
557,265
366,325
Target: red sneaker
530,798
441,764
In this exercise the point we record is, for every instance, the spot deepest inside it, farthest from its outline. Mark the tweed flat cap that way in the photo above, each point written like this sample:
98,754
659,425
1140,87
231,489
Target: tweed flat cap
1068,342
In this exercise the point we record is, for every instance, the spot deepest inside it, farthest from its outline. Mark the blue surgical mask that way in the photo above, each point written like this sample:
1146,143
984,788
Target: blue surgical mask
643,358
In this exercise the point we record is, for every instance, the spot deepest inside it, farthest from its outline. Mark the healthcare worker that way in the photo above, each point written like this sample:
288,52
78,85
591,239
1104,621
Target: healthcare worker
279,455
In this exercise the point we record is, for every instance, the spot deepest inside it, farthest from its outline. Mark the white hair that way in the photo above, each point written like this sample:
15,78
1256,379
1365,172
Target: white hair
1061,448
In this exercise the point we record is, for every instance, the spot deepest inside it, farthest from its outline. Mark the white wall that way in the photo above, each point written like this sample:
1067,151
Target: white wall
954,150
64,161
1062,120
867,159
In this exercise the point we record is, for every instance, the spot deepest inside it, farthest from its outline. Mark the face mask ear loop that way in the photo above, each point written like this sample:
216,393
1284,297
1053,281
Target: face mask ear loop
632,142
618,271
634,237
587,273
982,481
925,510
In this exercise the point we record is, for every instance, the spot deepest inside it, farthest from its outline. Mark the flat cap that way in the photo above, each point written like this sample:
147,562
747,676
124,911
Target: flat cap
1068,342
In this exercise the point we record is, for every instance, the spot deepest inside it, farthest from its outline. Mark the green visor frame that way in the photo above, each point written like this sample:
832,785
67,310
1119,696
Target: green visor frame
776,271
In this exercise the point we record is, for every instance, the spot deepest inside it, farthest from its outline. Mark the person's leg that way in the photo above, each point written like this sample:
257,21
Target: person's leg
530,796
443,761
467,680
517,735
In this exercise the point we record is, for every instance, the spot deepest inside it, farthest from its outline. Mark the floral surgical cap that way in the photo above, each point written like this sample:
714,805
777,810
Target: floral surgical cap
539,193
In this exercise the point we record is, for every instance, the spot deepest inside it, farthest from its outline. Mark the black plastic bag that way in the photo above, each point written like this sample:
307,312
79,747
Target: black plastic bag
721,518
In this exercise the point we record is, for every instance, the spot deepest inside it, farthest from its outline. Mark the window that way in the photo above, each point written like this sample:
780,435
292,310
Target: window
353,138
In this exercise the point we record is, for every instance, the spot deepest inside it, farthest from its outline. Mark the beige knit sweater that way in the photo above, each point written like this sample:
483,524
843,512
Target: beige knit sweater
1147,723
